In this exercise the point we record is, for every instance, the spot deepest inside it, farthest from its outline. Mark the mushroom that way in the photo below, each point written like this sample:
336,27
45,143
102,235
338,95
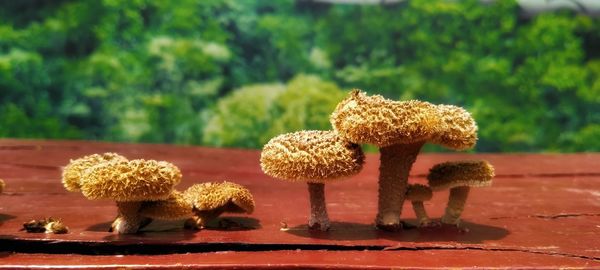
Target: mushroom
175,207
459,176
130,183
314,157
417,194
400,129
2,185
75,169
209,200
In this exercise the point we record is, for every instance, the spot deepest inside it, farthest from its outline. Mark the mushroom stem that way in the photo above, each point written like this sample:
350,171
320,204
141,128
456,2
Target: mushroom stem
129,219
395,163
420,212
319,220
202,218
456,204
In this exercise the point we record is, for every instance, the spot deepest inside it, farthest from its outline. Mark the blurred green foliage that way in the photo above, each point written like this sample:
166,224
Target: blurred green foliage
236,73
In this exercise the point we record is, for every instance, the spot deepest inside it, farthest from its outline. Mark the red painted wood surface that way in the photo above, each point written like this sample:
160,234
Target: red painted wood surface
542,211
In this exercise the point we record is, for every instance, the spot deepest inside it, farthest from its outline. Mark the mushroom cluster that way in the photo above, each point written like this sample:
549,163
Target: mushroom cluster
144,190
398,128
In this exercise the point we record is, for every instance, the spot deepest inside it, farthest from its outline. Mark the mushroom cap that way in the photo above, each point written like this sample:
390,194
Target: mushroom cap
459,130
174,207
211,196
473,173
311,156
419,193
130,181
376,120
73,172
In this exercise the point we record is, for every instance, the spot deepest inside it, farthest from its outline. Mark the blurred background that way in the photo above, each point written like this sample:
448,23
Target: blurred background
236,73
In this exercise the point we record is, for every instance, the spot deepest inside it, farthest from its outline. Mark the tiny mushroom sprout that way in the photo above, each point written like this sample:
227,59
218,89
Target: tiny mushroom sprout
209,200
130,183
417,194
400,129
459,176
73,172
314,157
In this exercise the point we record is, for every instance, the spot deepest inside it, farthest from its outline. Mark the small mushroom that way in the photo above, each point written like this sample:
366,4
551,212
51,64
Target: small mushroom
175,207
417,194
459,176
400,129
130,183
209,200
2,185
73,172
314,157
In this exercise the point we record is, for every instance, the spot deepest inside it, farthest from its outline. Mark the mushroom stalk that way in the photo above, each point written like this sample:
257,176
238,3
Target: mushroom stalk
456,204
395,164
420,212
319,219
129,219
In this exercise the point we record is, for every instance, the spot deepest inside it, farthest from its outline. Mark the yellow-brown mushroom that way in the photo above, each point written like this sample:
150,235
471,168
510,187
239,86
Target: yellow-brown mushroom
314,157
459,176
2,185
73,172
130,183
175,207
417,194
210,200
400,129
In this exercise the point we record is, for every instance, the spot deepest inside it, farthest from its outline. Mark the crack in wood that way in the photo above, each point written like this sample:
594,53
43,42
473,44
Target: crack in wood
110,248
557,216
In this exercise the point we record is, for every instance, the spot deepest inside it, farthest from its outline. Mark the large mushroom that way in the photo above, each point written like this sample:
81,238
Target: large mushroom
210,200
400,129
73,172
130,183
459,176
314,157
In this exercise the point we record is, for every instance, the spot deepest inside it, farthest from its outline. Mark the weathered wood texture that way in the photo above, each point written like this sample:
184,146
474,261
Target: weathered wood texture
542,211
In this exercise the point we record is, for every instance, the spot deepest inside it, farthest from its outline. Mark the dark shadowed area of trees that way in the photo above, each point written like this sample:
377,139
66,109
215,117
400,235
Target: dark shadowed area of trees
235,73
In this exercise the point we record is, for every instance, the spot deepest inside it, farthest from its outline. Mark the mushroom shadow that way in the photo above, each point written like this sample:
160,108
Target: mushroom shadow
233,223
5,217
99,227
347,231
154,237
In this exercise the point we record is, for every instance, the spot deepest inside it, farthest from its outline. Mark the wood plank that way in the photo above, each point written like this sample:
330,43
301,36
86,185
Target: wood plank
538,210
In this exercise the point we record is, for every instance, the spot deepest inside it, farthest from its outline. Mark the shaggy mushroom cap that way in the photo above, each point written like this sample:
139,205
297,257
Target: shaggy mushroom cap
212,196
476,173
73,172
130,181
174,207
311,156
418,193
459,130
383,122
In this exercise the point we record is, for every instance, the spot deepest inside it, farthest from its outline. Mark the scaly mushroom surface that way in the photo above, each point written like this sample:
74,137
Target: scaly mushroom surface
459,176
73,172
210,200
314,157
400,129
130,183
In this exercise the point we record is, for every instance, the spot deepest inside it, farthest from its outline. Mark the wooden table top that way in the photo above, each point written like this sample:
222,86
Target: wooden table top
543,210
